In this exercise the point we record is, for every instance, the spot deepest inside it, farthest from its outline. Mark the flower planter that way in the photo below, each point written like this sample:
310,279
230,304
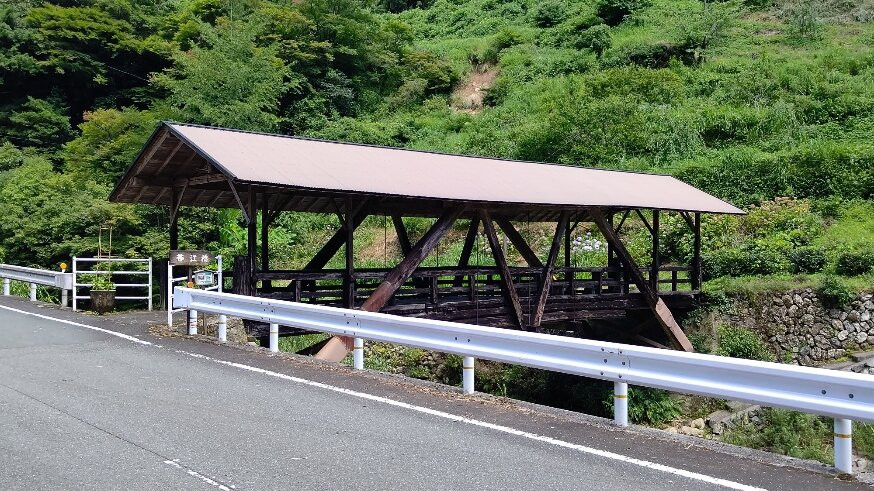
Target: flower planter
102,301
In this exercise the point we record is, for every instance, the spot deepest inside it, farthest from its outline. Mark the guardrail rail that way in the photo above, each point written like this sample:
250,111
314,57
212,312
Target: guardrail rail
844,396
34,276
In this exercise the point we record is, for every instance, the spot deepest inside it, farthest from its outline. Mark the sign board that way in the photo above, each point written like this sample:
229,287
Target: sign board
190,258
204,278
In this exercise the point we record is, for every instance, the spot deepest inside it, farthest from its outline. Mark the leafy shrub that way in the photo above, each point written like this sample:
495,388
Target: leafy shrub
804,18
790,433
504,39
764,256
854,263
738,342
99,281
833,293
549,13
614,11
596,38
649,406
807,259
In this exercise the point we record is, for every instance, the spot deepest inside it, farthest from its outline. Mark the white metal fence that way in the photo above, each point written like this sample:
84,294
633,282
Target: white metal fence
842,395
87,265
34,276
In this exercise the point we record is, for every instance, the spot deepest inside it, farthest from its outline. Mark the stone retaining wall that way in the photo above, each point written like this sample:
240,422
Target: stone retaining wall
799,328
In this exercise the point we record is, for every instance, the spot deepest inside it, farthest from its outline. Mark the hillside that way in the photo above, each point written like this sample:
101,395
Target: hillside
768,105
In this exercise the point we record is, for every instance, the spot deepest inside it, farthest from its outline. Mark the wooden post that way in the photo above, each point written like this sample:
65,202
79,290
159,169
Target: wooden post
349,277
546,277
662,312
174,234
401,231
696,254
569,276
265,233
519,243
337,347
656,260
467,248
252,228
511,296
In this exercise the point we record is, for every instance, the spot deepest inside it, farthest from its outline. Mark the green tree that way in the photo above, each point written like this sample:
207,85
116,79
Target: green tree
229,81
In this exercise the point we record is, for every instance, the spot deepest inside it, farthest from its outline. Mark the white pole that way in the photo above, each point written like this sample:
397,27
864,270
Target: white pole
169,294
63,297
467,374
6,284
192,322
620,403
33,292
844,445
150,284
274,338
221,278
358,354
223,329
75,288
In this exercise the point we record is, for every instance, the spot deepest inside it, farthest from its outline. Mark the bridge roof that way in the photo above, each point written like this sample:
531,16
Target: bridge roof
215,167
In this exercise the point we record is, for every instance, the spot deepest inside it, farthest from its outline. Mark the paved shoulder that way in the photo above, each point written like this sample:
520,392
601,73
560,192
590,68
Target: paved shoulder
90,409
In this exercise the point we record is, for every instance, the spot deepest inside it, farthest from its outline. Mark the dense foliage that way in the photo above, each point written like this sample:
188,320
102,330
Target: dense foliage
766,104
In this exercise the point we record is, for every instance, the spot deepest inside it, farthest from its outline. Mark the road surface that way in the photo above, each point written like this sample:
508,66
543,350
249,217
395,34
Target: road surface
105,405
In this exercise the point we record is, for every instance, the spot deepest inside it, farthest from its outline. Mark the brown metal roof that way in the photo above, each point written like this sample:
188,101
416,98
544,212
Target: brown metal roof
307,175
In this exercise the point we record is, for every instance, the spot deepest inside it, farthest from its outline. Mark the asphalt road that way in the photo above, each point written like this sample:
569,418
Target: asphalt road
81,408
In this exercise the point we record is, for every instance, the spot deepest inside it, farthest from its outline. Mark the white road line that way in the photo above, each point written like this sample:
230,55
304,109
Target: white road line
86,326
194,473
433,412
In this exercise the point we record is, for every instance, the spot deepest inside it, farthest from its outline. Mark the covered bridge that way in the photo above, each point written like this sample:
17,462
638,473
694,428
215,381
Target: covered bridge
189,165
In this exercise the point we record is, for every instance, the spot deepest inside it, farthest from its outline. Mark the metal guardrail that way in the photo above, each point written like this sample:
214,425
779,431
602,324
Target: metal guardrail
35,277
842,395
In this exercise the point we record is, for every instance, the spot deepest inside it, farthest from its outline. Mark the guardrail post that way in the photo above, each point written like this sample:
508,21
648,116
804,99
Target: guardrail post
149,280
358,354
467,374
192,322
6,283
274,338
620,403
33,292
223,328
63,297
844,445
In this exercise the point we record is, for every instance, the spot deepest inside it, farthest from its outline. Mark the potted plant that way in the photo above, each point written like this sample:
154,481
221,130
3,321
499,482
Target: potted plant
102,292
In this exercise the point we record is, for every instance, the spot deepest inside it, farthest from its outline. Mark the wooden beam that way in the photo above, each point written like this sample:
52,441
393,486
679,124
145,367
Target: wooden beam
622,221
338,347
546,277
265,237
511,296
656,260
469,242
252,229
177,202
333,245
401,231
249,217
657,305
519,243
644,220
696,254
349,277
397,276
688,220
170,156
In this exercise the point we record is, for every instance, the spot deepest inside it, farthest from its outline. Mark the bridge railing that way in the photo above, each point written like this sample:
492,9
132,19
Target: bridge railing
34,276
843,396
